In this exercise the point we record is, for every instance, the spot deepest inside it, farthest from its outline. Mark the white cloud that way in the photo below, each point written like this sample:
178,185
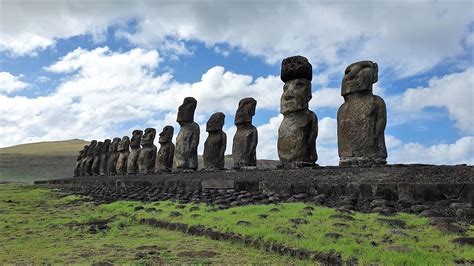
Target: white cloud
10,83
326,97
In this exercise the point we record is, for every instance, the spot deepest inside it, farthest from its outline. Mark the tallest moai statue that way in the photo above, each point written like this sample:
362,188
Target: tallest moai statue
188,137
362,118
299,128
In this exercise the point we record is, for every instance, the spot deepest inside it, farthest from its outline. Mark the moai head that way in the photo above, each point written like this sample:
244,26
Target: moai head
186,111
215,122
359,77
100,146
124,144
136,139
92,148
148,137
166,135
297,73
114,145
245,111
106,146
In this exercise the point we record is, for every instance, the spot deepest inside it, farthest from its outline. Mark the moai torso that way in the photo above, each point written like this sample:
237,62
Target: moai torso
299,128
79,161
188,137
215,145
132,163
104,157
164,158
147,155
96,160
123,149
244,145
90,158
361,119
113,157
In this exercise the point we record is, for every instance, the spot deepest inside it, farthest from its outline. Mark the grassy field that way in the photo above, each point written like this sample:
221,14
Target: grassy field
38,226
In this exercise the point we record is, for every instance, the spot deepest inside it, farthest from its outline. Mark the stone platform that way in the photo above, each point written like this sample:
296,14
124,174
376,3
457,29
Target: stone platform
409,183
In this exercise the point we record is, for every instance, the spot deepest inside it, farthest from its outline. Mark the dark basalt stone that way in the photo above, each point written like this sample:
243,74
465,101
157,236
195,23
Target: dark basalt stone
123,150
147,155
164,159
105,153
113,157
245,140
79,169
296,67
188,136
215,145
95,168
132,161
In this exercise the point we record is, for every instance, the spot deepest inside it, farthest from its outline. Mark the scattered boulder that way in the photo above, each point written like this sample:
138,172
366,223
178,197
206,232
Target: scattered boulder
464,241
244,223
450,228
431,213
467,212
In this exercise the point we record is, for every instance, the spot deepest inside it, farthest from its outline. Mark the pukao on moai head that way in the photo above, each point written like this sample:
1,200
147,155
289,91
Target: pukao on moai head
97,157
104,157
147,156
113,157
164,159
299,128
362,118
132,163
90,158
123,149
215,145
244,145
79,160
188,137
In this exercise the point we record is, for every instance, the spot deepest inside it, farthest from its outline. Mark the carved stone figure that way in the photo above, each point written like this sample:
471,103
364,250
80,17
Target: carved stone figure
132,163
299,128
97,156
215,145
362,118
113,157
147,156
245,140
90,158
164,159
188,137
104,157
123,149
80,160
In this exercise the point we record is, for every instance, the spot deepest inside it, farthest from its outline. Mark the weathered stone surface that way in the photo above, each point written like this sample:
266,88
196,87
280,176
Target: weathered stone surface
123,149
104,157
299,128
113,157
245,140
215,145
97,156
78,170
362,118
132,163
164,159
188,136
90,158
147,155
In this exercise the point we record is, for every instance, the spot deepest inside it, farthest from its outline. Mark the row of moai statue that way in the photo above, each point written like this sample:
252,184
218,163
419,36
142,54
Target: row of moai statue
361,122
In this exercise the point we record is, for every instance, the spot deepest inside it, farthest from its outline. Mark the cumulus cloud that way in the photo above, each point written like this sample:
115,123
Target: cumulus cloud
330,34
10,83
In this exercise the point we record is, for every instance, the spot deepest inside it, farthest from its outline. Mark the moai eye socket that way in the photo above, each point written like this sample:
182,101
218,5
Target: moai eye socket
348,70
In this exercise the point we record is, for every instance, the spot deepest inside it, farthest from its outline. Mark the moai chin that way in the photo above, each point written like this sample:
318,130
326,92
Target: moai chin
164,159
188,137
96,161
79,161
104,157
113,157
244,145
147,156
90,158
362,118
215,145
132,163
299,129
123,149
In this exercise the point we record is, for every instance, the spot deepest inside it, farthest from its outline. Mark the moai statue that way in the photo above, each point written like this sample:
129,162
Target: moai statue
188,137
97,156
83,161
147,156
90,158
113,157
80,157
123,149
132,163
164,159
299,128
104,157
362,118
244,146
215,144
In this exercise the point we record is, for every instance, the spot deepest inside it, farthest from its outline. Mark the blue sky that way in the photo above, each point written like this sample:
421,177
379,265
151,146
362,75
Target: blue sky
99,70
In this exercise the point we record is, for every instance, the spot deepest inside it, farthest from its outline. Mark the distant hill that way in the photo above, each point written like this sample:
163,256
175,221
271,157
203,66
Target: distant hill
56,159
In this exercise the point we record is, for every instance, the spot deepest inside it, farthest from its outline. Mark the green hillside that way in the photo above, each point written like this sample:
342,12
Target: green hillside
49,148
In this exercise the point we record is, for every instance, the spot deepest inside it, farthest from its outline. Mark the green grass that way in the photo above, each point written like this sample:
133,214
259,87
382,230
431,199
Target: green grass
56,148
37,226
365,238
